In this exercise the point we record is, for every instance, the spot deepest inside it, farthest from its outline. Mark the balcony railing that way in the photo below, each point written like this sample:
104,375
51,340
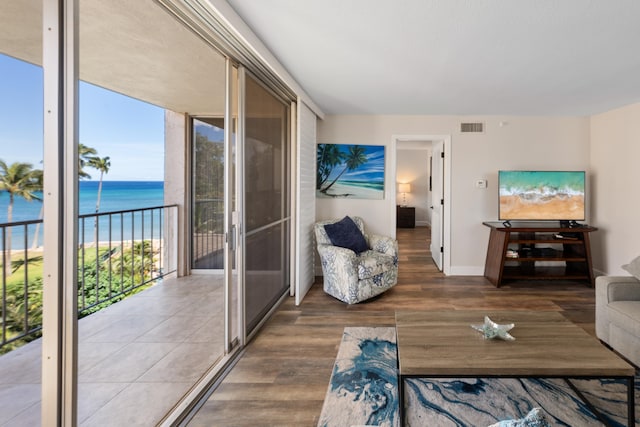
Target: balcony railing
208,234
119,253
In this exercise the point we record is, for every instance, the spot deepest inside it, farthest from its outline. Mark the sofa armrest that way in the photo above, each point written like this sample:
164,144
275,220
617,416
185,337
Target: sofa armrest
340,271
617,288
383,244
337,255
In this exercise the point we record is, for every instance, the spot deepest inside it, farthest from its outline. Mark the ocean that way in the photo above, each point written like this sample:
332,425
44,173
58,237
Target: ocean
541,184
116,196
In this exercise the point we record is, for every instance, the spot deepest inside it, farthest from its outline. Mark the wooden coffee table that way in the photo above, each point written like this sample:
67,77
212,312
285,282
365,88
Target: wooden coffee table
434,344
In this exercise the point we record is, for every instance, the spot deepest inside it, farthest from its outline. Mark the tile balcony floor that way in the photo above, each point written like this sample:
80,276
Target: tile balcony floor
136,359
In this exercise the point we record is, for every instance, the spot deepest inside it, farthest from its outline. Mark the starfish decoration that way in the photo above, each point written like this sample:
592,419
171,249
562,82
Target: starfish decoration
491,330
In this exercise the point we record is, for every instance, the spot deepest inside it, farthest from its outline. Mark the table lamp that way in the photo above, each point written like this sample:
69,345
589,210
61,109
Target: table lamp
404,189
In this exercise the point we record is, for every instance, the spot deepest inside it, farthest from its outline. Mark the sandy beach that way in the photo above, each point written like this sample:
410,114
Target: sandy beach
513,207
350,192
156,243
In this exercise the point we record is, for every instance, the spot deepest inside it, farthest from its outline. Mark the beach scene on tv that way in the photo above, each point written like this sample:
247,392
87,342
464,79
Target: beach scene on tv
350,171
541,195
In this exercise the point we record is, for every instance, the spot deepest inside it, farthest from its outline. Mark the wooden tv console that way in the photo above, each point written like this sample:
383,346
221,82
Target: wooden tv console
526,251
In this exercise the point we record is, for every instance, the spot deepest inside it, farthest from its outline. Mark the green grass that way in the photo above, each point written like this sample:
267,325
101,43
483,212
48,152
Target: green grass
35,268
15,285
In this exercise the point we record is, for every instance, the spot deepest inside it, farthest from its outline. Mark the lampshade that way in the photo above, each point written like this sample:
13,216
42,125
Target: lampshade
404,188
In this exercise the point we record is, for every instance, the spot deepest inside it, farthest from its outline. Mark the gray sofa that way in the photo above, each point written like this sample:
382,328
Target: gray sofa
618,314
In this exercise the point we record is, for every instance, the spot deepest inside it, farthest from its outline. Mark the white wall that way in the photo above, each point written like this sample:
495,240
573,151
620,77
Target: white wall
520,143
615,201
412,167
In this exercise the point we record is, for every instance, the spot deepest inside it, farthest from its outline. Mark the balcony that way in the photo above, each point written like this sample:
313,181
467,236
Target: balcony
137,357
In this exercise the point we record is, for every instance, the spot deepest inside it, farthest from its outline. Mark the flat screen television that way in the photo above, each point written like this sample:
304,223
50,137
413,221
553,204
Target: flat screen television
541,195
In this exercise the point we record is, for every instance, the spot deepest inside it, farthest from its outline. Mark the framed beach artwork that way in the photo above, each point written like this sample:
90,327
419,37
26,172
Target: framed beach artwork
350,171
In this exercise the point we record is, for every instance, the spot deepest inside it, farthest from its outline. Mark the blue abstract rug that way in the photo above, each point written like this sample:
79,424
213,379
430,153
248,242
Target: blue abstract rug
363,390
364,385
482,401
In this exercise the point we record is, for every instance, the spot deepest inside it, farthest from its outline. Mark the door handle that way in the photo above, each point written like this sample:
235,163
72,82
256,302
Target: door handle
232,239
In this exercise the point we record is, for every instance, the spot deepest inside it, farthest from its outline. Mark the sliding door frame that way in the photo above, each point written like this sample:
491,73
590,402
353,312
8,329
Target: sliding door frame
240,215
60,334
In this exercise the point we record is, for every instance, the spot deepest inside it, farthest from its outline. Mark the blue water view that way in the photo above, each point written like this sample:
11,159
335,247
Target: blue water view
373,185
542,183
115,196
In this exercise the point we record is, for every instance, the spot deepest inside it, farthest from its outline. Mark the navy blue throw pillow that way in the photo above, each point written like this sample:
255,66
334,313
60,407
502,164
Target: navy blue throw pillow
346,234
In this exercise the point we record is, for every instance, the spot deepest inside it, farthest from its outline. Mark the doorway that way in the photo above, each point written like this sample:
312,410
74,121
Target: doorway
431,193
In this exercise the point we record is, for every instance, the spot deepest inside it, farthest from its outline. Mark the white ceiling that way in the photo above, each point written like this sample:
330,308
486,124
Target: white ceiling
467,57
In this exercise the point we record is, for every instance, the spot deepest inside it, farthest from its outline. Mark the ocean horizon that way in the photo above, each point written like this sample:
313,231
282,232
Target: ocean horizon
115,196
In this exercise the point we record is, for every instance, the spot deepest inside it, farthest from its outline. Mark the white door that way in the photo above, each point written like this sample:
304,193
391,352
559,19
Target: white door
437,203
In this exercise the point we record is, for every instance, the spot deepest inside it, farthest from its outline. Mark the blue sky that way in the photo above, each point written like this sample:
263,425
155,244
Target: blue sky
129,131
373,170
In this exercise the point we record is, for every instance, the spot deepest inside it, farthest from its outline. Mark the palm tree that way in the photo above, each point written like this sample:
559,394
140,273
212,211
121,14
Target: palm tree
21,180
101,164
354,159
328,157
40,180
85,154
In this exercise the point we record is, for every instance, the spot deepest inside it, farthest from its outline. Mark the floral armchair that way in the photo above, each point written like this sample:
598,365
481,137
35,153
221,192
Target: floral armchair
351,275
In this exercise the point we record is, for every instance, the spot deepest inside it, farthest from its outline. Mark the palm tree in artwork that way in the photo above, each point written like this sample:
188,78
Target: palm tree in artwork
355,158
19,180
328,157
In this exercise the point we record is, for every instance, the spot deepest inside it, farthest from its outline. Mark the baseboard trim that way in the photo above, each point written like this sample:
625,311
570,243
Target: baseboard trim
466,271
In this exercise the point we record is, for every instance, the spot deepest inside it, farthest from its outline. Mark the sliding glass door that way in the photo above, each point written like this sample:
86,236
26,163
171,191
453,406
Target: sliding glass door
21,240
207,241
266,201
151,350
214,224
222,141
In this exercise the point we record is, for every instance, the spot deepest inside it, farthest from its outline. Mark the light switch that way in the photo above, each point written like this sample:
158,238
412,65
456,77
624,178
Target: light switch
481,183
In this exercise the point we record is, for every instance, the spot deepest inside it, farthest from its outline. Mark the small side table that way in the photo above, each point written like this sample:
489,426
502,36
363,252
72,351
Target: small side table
405,216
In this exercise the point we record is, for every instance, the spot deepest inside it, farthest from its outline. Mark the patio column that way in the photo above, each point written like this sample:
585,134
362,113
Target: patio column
177,187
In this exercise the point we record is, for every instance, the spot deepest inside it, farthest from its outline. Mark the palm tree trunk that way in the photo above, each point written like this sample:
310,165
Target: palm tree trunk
334,181
7,249
36,235
95,225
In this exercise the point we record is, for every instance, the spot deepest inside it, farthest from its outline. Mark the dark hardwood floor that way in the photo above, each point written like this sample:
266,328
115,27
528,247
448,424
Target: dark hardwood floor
283,376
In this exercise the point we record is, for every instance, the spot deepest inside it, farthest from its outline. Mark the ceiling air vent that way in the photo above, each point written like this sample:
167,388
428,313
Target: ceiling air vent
471,127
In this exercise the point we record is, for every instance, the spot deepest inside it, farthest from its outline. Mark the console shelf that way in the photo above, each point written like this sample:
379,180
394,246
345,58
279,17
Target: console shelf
538,251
